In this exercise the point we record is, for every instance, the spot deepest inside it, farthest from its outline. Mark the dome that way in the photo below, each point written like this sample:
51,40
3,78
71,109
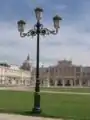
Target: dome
26,64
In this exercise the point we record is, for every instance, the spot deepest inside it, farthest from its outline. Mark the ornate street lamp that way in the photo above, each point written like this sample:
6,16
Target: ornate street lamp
37,31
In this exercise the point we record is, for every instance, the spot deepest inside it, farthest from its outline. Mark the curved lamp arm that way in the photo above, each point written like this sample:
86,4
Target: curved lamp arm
31,32
46,31
43,31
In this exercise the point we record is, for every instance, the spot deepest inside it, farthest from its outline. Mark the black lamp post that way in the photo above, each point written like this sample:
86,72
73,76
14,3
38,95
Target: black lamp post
37,31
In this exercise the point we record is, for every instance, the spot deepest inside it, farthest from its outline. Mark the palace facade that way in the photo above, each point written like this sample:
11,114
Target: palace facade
64,73
13,75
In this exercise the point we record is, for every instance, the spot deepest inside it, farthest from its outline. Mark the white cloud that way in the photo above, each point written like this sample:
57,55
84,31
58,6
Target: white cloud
72,42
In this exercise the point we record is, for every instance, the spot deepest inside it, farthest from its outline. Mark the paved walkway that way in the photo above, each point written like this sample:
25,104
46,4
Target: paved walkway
42,91
58,92
20,117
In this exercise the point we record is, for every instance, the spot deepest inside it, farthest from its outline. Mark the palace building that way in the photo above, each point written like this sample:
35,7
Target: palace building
13,75
64,73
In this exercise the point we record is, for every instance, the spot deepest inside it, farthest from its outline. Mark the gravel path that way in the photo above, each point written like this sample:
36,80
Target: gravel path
20,117
58,92
42,91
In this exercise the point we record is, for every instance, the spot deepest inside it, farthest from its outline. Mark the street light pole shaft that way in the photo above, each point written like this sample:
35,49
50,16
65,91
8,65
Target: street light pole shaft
37,86
37,89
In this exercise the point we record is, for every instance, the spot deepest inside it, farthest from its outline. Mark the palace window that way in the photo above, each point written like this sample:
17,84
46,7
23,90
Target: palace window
10,81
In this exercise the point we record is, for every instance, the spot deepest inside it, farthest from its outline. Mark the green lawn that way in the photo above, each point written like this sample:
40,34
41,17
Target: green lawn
55,105
82,90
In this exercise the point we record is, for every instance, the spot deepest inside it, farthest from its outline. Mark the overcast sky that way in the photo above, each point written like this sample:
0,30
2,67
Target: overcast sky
72,42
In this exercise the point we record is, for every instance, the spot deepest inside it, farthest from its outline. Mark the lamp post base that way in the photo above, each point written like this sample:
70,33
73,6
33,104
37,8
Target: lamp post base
36,109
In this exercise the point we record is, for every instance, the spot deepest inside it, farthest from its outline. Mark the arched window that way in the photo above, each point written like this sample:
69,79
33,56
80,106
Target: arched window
59,82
